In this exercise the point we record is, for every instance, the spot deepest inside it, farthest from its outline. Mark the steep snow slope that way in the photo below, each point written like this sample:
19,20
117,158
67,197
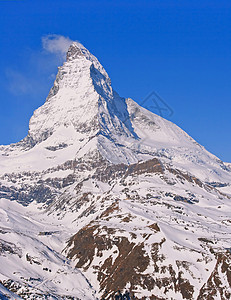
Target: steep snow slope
163,138
128,196
30,256
5,294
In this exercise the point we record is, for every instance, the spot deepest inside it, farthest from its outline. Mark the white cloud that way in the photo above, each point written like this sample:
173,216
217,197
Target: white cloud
41,69
56,44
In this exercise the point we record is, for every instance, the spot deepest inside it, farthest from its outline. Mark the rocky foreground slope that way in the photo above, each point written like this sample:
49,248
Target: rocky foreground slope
103,198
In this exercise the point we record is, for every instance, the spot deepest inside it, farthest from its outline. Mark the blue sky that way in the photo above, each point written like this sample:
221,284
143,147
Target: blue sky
179,49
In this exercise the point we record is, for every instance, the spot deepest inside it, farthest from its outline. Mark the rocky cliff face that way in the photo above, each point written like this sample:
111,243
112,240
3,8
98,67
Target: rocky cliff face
112,198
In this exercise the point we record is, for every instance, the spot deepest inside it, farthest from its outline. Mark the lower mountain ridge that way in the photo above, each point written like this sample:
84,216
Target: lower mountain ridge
106,200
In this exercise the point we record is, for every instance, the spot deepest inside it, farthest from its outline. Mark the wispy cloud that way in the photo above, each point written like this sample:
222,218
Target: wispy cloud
37,75
56,44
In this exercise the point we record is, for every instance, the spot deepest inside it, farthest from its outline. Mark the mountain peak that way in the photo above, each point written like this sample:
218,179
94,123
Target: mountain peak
82,112
74,51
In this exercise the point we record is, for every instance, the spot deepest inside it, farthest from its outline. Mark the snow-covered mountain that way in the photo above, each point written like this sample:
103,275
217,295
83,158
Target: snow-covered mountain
103,198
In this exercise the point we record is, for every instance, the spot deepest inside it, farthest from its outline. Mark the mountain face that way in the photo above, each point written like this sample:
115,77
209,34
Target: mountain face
104,199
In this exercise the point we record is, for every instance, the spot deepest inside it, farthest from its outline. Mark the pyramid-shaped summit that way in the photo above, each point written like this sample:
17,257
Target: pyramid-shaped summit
104,199
83,114
81,101
82,111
